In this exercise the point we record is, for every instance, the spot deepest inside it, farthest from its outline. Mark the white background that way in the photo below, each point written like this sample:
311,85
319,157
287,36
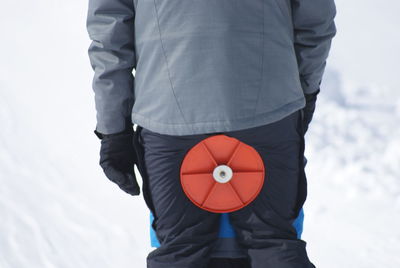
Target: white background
57,209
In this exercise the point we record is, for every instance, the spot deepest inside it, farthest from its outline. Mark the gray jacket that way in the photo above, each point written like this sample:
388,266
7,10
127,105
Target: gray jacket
205,66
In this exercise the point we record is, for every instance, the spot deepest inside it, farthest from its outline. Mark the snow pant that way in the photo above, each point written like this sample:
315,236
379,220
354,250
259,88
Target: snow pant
264,228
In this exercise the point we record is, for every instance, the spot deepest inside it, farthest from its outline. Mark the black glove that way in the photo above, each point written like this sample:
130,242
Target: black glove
118,157
308,110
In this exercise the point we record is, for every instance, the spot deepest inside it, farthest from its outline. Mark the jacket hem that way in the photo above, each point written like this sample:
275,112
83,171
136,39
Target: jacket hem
181,129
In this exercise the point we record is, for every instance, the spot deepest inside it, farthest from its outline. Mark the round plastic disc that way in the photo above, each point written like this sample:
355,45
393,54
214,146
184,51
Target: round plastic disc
222,174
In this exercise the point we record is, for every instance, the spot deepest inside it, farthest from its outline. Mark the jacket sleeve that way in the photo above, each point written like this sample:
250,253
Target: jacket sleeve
110,24
314,28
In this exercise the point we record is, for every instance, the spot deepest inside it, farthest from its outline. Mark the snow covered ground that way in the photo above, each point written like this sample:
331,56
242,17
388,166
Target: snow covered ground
57,210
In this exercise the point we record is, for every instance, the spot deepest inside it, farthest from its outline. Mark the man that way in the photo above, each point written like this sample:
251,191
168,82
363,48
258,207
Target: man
247,69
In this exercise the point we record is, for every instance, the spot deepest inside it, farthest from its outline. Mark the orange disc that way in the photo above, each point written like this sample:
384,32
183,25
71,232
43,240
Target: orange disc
222,174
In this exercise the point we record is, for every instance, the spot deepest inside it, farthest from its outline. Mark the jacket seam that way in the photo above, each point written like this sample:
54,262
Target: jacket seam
166,63
262,65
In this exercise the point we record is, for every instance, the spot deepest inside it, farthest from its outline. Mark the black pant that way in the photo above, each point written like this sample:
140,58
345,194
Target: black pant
264,228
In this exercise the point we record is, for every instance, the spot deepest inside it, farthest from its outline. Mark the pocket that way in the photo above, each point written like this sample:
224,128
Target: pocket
302,184
137,139
300,120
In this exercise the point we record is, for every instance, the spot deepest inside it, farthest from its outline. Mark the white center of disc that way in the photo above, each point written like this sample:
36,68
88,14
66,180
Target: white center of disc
222,174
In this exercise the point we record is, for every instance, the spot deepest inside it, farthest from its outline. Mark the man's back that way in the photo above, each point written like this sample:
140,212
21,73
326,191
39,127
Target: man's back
210,66
207,66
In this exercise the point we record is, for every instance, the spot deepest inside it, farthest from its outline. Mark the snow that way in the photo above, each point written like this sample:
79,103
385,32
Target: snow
57,209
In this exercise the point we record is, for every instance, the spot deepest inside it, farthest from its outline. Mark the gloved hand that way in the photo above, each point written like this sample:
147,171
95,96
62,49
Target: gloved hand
308,110
117,159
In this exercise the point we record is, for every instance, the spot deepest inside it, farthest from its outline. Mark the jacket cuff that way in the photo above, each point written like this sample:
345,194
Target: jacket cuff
128,130
310,86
